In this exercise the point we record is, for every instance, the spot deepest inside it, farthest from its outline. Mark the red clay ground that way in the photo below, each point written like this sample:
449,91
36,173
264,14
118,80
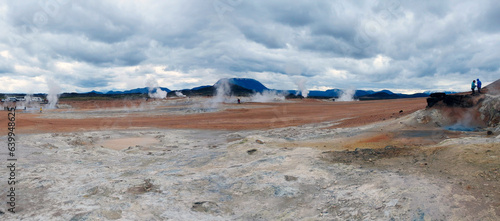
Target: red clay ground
248,116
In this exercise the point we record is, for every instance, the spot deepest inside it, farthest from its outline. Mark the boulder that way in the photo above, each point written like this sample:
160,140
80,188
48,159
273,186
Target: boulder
453,100
458,100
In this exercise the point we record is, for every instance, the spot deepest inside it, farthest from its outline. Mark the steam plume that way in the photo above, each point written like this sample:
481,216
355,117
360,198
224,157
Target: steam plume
268,96
154,90
223,90
53,95
179,94
347,95
301,85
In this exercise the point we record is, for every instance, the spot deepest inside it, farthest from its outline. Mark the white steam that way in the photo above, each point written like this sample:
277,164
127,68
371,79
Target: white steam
347,95
53,95
222,94
268,96
154,91
223,91
466,122
179,94
301,86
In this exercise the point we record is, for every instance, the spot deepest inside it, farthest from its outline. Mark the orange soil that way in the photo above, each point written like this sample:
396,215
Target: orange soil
248,116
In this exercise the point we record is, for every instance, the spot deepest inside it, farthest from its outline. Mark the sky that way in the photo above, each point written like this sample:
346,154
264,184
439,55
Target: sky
401,45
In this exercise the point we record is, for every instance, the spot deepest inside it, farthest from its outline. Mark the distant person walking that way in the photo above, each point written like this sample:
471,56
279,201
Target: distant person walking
473,86
479,86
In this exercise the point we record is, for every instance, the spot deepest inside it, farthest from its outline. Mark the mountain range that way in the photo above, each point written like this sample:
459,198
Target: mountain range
248,86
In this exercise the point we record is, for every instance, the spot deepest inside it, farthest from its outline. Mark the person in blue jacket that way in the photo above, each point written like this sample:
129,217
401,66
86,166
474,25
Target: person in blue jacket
478,86
473,86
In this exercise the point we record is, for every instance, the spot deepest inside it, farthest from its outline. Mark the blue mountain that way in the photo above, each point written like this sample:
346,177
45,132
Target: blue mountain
143,90
446,92
387,91
94,92
247,83
200,87
327,93
338,92
360,93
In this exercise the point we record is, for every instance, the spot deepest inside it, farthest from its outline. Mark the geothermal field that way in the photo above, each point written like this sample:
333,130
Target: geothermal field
268,158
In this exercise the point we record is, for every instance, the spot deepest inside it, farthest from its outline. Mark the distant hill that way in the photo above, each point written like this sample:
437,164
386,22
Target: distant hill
386,95
143,90
336,93
93,92
236,90
446,92
247,83
324,94
379,96
387,91
200,87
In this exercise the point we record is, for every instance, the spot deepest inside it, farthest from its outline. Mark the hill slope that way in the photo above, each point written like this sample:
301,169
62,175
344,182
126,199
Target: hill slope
248,83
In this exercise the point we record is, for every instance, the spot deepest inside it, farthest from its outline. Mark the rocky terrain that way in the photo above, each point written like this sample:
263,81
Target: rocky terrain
429,164
257,175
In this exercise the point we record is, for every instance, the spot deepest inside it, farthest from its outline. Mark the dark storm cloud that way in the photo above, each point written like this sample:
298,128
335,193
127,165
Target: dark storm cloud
380,43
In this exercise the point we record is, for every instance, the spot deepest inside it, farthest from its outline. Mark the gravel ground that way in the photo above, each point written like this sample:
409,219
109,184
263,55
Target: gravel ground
244,175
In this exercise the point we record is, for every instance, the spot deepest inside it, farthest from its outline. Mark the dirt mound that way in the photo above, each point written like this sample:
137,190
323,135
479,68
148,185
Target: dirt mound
493,88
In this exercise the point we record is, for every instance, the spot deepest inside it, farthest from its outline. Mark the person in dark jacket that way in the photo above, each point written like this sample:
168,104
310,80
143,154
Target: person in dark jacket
479,86
473,86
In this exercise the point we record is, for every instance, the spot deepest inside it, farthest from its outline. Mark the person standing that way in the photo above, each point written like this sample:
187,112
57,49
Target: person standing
479,86
473,86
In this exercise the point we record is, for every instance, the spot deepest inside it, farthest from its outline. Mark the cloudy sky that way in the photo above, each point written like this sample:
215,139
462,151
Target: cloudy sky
401,45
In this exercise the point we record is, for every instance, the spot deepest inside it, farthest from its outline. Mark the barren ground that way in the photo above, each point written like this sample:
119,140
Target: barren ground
298,160
123,114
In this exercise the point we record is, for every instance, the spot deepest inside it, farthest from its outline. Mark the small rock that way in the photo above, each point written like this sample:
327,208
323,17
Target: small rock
401,111
112,215
291,178
489,133
252,151
92,191
259,141
206,207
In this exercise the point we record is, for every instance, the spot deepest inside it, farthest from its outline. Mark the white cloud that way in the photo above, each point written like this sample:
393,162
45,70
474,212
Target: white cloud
5,54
